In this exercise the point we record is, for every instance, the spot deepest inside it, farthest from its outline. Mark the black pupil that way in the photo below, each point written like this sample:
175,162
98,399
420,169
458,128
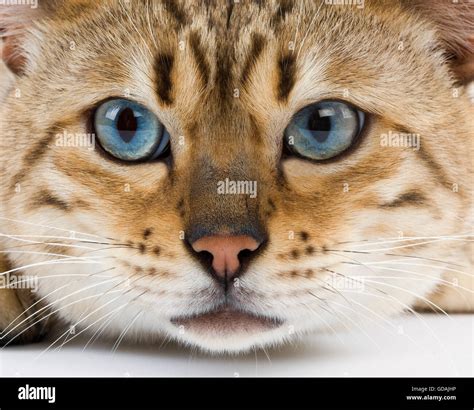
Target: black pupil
127,124
322,126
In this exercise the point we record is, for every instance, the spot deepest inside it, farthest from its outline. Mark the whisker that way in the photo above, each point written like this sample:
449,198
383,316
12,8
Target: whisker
325,322
429,278
358,326
49,315
307,32
46,296
393,239
53,227
53,254
3,334
124,332
100,330
367,242
335,252
370,311
125,246
101,318
105,293
412,311
402,262
352,259
66,275
418,244
72,260
69,238
83,330
411,293
268,356
375,322
51,304
354,279
47,243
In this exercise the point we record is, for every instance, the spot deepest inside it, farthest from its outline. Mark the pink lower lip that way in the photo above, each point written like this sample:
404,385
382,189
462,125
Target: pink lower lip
225,322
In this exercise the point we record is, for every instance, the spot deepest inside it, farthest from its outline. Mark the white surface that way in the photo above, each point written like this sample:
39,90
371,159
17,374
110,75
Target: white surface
429,345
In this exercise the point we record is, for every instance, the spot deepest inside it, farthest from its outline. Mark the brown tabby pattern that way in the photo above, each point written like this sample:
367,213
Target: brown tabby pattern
108,242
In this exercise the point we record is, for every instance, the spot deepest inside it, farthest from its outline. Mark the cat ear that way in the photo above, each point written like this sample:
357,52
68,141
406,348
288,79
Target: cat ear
454,22
15,23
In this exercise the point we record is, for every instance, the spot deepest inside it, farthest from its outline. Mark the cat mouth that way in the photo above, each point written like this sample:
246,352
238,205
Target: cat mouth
226,322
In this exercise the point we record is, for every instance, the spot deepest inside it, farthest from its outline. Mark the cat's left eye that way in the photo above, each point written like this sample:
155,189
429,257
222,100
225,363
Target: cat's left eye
129,131
324,130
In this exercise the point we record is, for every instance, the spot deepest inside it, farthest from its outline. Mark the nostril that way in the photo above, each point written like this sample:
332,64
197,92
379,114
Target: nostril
245,254
205,257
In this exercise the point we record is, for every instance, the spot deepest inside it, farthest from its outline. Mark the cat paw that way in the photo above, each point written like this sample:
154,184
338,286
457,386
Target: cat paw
18,322
453,295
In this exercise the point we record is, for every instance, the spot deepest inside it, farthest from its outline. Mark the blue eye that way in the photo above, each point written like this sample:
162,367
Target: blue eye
129,131
323,130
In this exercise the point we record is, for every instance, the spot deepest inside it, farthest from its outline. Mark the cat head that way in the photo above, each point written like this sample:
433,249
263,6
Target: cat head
232,175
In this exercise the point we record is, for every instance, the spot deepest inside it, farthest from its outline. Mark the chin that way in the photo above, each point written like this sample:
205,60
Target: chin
225,330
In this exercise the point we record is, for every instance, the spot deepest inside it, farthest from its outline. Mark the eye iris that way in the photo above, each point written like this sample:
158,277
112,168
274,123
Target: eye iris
129,131
323,130
127,125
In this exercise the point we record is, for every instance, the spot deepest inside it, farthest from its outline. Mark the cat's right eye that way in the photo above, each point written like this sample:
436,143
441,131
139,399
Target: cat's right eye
129,131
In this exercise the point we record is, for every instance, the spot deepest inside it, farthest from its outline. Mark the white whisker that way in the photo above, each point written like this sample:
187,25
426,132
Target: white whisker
53,227
57,301
418,296
124,332
84,330
406,239
46,296
73,260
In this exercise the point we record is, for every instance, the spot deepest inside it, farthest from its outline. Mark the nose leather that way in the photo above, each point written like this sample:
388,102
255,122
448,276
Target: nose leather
225,251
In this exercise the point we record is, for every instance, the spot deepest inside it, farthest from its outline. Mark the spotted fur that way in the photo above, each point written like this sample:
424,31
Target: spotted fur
225,78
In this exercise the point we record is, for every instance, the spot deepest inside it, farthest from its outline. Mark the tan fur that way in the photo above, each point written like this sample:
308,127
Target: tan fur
389,59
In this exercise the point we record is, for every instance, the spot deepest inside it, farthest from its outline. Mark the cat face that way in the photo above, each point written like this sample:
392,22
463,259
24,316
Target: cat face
239,232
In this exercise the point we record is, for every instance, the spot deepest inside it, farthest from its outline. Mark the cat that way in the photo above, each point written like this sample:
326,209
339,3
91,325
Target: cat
233,175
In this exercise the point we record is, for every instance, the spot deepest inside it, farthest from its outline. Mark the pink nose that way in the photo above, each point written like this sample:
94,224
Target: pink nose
225,251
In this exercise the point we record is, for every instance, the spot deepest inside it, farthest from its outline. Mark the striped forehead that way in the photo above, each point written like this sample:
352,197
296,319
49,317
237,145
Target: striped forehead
226,41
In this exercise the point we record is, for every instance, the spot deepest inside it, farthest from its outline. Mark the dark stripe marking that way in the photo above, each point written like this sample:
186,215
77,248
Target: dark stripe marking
258,44
284,7
200,57
163,68
35,153
47,198
230,9
224,78
436,169
412,197
287,68
176,12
